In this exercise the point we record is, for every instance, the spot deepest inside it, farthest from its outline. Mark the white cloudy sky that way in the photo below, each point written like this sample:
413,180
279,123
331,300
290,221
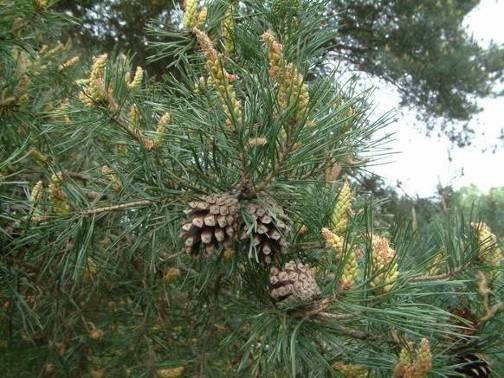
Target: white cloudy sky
423,162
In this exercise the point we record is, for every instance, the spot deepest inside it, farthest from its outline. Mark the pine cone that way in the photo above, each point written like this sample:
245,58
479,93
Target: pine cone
474,366
267,237
212,223
473,363
293,285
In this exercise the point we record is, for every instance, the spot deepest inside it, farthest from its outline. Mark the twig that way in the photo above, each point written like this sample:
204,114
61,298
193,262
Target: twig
39,219
316,309
119,119
117,207
329,316
438,277
354,333
485,292
319,312
275,171
78,176
98,210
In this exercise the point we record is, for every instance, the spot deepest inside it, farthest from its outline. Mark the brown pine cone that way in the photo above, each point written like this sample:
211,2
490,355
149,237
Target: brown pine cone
295,284
212,223
268,231
474,365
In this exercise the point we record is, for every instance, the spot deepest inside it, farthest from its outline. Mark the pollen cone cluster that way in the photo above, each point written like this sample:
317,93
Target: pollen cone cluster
417,367
275,54
36,193
437,264
212,223
137,78
333,241
350,269
490,251
295,284
221,79
335,237
95,91
292,91
385,269
159,136
342,209
227,27
423,363
170,372
351,371
57,196
193,15
267,235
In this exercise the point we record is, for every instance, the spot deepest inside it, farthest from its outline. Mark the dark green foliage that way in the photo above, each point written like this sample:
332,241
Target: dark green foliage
490,205
421,48
117,25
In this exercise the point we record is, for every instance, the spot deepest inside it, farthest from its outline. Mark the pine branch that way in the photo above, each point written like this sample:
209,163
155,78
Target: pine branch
439,277
329,316
123,206
122,122
276,169
485,292
317,308
99,210
356,334
78,176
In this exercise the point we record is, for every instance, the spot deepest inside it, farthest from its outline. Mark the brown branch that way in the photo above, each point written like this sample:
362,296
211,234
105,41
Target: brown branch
438,277
78,176
117,207
312,171
98,210
485,292
354,333
317,307
318,311
314,310
329,316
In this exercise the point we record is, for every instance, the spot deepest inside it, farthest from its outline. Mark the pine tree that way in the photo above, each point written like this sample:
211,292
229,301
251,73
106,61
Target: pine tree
196,226
421,47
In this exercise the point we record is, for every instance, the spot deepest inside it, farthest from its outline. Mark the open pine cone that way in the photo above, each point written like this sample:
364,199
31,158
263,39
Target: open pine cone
295,284
474,365
212,223
267,237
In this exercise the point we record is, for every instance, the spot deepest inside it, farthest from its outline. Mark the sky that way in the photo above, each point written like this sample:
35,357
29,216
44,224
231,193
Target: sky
423,162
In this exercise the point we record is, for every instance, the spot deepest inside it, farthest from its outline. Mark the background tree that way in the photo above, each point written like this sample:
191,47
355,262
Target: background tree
117,25
490,205
422,48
